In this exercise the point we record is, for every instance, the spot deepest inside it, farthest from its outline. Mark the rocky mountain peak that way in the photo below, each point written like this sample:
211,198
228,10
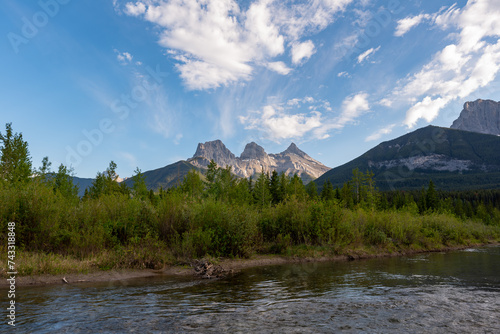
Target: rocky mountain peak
481,116
253,151
255,160
293,149
215,150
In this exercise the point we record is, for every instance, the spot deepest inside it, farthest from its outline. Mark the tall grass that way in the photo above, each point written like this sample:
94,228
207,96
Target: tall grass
56,234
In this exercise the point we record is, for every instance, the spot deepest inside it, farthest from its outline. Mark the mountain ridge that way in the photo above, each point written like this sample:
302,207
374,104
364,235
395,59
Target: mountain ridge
254,160
453,159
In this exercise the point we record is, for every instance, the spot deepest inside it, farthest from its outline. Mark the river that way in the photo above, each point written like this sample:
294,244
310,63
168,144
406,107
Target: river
455,292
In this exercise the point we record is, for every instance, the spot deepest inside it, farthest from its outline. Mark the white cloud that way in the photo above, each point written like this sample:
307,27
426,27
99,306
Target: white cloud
135,9
378,134
278,124
427,109
302,51
410,22
123,57
298,118
217,43
178,138
343,75
365,55
385,102
441,18
279,67
353,107
116,7
472,61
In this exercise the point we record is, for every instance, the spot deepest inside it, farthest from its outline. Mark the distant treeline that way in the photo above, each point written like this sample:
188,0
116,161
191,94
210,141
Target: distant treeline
217,214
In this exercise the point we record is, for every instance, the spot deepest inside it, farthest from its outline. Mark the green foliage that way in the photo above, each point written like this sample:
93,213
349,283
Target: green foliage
140,189
220,182
312,190
230,217
262,192
296,188
431,197
15,161
327,193
63,183
192,184
275,188
44,170
106,183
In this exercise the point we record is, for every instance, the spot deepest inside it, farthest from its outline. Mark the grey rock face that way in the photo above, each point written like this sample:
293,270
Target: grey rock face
255,160
481,116
293,149
253,151
217,151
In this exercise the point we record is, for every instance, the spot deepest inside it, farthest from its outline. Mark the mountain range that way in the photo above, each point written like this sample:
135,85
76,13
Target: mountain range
453,159
465,156
254,160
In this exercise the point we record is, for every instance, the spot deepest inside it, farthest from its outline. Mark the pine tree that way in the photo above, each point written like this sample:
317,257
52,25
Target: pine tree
346,195
106,183
337,193
275,188
63,183
422,203
431,197
312,190
296,188
15,161
327,193
284,182
44,170
139,187
357,180
241,194
192,184
261,191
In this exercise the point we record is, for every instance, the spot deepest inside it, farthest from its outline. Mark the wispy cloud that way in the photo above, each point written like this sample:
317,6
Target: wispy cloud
123,57
279,67
216,42
368,53
410,22
129,158
460,68
307,117
382,132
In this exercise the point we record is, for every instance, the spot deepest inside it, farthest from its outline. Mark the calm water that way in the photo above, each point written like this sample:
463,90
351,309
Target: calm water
456,292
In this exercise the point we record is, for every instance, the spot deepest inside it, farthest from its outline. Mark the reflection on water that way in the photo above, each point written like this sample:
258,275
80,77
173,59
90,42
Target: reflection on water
456,292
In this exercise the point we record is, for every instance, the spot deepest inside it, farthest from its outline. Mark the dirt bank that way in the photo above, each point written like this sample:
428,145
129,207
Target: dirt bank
233,265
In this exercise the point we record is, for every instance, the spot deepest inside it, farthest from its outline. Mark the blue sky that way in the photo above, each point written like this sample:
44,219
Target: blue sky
143,82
